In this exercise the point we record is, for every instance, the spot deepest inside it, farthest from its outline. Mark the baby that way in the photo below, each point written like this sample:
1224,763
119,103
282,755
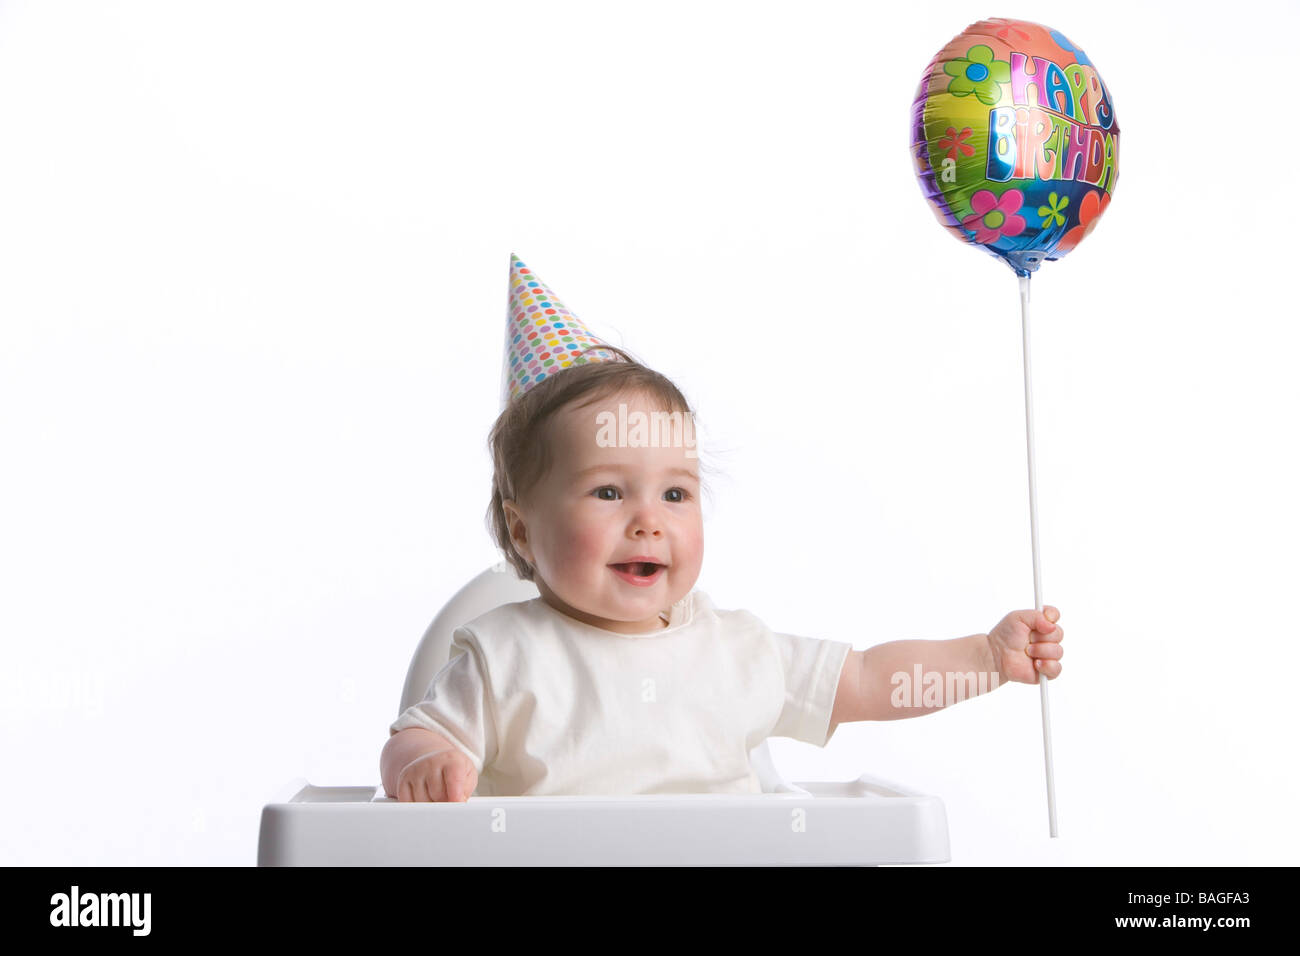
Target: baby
621,678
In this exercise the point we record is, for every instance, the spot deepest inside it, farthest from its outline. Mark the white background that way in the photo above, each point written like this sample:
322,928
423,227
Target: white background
253,264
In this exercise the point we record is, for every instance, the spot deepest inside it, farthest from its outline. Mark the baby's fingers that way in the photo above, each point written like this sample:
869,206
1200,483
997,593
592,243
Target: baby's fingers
1045,650
1046,655
434,787
411,789
459,778
1055,635
420,784
453,783
1050,668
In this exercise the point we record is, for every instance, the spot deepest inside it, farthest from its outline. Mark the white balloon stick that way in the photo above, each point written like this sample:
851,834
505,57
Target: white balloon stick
1033,534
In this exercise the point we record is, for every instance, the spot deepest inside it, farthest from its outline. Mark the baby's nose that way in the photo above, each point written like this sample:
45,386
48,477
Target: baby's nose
647,527
647,521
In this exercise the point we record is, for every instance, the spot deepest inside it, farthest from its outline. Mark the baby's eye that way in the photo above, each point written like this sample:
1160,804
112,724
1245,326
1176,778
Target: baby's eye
600,493
681,493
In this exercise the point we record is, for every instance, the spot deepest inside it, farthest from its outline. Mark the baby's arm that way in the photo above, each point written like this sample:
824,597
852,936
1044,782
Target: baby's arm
420,762
445,773
881,683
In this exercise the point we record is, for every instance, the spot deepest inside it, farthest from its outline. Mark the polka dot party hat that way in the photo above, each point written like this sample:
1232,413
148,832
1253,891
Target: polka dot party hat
542,336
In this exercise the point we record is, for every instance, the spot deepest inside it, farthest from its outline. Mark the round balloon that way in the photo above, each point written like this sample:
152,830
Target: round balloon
1015,141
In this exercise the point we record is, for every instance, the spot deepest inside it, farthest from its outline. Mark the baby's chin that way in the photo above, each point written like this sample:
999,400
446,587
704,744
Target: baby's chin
627,610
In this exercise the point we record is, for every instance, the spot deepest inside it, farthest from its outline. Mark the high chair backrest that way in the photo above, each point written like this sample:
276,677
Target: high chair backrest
496,586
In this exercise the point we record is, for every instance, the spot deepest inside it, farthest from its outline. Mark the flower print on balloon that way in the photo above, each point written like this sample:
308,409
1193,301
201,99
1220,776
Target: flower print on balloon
1079,56
1054,210
1090,210
978,73
1009,31
995,217
955,144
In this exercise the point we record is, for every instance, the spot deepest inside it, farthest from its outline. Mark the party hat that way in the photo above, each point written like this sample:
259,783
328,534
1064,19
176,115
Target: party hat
542,336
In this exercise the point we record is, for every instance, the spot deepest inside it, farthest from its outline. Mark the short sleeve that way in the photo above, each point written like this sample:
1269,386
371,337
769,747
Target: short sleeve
457,704
812,669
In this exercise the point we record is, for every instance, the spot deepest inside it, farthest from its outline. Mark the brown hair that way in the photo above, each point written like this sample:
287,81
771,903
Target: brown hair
521,456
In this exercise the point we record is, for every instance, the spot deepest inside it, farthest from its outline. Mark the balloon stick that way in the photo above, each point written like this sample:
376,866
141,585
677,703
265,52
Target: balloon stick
1033,534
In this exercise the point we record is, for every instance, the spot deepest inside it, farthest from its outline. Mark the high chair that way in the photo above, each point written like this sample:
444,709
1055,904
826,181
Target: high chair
861,822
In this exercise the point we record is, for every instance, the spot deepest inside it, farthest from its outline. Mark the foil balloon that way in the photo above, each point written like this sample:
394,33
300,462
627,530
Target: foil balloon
1015,141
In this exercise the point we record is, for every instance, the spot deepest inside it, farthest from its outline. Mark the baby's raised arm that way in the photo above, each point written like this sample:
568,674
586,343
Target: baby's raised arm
418,765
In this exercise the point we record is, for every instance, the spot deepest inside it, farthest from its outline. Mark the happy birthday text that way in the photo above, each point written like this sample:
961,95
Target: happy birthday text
1059,128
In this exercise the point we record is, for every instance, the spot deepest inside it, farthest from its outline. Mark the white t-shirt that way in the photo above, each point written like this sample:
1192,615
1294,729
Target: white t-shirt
544,704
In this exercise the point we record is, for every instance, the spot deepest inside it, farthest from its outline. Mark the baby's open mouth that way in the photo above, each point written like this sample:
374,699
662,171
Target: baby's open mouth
641,568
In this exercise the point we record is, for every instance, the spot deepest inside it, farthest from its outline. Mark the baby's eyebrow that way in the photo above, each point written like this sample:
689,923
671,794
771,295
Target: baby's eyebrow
685,472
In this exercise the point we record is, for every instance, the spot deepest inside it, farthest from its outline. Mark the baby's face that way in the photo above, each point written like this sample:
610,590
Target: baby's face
601,511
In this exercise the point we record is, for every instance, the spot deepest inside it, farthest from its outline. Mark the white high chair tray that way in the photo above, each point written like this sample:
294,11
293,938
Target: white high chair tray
863,822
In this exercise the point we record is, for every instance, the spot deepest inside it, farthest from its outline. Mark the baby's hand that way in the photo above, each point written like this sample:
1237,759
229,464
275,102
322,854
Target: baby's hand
1026,644
440,776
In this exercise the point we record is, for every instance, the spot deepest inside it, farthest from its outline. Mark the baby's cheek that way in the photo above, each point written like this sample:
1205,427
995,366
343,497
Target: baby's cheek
583,545
690,542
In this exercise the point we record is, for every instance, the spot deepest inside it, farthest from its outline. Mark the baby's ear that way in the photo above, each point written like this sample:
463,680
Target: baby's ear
517,528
